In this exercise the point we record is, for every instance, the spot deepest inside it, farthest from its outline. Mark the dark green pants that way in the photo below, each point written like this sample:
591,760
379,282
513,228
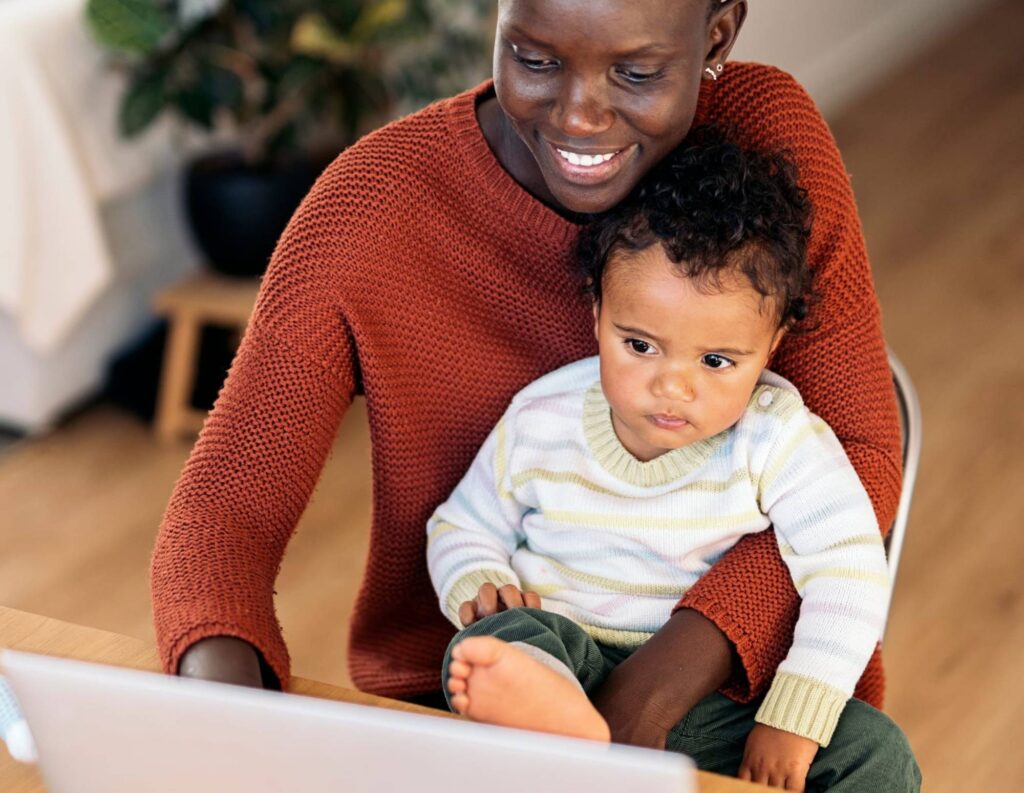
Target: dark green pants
868,752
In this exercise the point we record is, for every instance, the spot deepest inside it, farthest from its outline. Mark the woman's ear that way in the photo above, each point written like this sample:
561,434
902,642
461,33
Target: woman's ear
723,29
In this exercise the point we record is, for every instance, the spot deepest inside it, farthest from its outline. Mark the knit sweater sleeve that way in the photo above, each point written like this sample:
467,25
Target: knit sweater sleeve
830,542
471,537
840,366
260,452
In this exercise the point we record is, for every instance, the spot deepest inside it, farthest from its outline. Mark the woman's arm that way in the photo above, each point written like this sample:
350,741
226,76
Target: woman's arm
648,693
254,466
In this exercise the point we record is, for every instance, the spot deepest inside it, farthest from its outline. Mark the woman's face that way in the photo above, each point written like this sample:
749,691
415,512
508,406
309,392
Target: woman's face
599,91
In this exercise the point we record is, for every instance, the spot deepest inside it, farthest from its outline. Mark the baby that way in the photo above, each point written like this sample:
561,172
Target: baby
612,484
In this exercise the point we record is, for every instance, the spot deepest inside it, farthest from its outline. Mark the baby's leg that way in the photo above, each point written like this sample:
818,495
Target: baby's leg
496,682
534,677
867,752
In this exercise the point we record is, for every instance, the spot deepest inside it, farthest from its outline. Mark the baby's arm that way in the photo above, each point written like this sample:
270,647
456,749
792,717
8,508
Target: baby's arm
829,540
472,536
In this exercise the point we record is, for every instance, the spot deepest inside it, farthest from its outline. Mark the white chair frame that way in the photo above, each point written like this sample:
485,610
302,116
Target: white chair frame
911,426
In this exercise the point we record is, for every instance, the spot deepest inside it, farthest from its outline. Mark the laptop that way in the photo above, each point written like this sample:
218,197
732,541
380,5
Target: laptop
112,730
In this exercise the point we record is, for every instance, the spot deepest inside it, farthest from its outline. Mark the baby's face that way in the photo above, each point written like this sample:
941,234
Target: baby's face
677,365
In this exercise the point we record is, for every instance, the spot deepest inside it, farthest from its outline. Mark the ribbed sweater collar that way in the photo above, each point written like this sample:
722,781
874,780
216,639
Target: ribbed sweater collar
496,185
615,458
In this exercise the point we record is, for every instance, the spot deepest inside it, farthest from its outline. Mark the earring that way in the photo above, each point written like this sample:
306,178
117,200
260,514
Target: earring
712,74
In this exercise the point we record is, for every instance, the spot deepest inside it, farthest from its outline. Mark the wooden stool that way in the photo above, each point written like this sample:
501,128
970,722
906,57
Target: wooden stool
201,299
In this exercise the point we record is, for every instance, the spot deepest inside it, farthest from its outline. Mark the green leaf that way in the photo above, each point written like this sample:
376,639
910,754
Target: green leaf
314,37
297,75
141,104
196,105
378,17
133,27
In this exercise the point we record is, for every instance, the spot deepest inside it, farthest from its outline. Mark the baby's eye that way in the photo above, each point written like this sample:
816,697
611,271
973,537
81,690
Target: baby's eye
639,346
715,361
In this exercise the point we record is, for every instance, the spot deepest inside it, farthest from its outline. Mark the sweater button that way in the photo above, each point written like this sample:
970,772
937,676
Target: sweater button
765,399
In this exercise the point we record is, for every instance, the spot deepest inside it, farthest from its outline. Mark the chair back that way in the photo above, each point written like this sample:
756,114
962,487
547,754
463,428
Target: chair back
910,425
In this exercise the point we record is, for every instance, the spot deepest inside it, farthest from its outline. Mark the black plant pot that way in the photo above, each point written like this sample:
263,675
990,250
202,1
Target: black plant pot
238,211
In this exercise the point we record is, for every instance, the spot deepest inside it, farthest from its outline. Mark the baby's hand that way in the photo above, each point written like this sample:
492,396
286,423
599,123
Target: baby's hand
777,758
490,600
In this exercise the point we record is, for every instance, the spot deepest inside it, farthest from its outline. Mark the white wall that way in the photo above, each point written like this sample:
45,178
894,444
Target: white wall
839,48
150,248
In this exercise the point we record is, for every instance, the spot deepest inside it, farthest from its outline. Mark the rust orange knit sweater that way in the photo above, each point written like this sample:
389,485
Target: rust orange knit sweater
419,273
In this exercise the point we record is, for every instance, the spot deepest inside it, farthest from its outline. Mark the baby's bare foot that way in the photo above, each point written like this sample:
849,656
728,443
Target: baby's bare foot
493,682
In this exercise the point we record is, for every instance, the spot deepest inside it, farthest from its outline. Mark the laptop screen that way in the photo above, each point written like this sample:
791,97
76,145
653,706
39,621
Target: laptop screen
124,731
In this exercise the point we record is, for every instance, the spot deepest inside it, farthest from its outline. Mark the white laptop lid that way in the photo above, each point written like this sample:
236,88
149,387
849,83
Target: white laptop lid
111,730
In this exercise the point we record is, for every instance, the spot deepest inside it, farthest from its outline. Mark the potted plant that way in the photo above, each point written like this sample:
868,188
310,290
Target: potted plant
289,82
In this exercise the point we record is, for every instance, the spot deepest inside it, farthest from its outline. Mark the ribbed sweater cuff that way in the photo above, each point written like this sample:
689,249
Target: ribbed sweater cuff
274,655
803,707
467,587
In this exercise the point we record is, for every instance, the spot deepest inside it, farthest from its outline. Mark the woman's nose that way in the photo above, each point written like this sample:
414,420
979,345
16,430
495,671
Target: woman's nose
583,109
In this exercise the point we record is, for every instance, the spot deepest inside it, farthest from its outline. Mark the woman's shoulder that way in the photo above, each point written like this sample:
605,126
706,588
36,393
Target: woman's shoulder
758,82
763,103
765,108
404,150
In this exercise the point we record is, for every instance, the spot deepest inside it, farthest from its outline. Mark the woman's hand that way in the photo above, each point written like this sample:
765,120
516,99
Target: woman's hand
490,600
777,758
223,659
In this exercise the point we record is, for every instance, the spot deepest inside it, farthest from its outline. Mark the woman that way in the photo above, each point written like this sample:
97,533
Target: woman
430,269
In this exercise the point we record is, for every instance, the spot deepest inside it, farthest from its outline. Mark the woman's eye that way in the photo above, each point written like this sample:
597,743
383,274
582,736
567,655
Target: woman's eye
534,64
537,64
640,76
715,361
640,347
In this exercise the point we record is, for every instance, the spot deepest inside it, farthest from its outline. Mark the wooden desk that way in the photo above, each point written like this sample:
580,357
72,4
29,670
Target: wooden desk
32,633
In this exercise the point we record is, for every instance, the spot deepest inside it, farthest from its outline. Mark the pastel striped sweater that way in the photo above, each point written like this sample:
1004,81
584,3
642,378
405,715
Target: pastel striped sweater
555,504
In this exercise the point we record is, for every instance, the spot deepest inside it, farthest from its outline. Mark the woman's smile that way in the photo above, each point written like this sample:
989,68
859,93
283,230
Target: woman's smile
588,166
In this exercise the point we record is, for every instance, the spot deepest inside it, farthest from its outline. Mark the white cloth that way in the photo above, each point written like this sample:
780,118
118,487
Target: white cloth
59,159
13,727
20,744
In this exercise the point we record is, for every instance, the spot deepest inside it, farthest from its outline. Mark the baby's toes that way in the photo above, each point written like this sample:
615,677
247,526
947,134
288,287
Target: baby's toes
457,685
479,650
459,669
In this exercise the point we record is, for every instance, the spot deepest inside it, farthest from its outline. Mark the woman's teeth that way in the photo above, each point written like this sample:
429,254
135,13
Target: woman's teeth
586,160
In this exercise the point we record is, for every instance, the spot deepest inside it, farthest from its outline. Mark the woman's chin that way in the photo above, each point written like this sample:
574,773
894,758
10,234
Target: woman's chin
586,201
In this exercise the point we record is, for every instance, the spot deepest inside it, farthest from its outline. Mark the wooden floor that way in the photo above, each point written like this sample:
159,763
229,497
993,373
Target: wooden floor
938,166
937,160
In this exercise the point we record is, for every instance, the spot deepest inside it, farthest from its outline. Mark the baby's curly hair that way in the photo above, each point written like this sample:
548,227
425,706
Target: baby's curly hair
714,208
